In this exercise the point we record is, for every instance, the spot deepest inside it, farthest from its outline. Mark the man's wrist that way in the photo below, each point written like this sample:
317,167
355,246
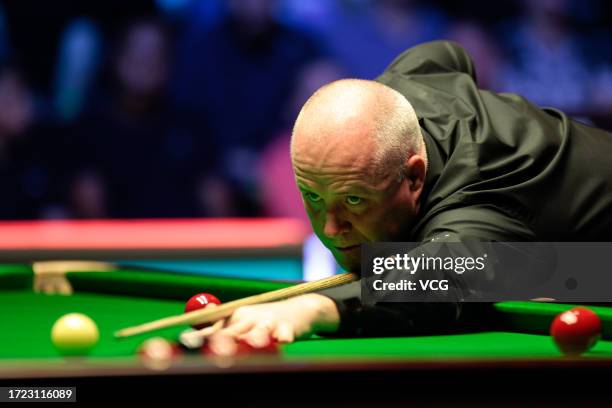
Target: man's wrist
325,315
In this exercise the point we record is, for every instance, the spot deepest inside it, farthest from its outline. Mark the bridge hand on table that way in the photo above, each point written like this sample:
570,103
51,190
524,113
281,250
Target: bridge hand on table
282,322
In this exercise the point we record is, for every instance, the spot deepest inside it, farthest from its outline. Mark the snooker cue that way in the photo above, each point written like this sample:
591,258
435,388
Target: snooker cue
225,310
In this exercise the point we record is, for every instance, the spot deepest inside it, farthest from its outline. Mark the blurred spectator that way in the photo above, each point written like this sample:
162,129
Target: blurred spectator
30,159
239,73
139,155
278,192
87,195
550,62
484,51
77,66
366,36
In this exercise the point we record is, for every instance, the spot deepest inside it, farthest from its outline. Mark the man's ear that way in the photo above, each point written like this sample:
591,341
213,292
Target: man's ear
415,170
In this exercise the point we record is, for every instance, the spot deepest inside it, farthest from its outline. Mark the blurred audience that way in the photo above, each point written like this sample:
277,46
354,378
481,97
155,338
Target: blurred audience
139,156
365,36
188,112
550,62
239,74
31,163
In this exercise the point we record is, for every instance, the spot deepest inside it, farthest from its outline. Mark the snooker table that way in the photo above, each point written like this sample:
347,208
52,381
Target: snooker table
509,358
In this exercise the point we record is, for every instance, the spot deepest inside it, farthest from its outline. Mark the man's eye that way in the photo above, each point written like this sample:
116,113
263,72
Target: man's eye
312,197
353,200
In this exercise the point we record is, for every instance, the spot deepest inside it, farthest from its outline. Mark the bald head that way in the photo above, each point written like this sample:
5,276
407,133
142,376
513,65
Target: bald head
360,164
363,112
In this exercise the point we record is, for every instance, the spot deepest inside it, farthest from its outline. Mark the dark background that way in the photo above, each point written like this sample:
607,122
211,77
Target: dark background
183,108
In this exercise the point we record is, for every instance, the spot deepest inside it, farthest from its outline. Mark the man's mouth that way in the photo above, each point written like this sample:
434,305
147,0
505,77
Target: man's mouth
348,248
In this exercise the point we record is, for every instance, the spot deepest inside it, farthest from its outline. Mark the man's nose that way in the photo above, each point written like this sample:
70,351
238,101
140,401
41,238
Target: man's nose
335,225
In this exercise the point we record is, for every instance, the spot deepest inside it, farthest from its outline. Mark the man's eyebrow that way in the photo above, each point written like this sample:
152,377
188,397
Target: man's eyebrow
303,186
347,190
357,188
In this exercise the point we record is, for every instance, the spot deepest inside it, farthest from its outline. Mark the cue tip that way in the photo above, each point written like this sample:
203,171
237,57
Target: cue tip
120,334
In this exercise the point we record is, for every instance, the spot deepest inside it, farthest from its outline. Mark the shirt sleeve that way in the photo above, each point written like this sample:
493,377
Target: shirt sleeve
389,319
431,58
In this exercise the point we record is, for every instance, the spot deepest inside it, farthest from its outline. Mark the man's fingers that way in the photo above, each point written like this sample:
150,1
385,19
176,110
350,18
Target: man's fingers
237,328
222,344
284,333
198,336
259,335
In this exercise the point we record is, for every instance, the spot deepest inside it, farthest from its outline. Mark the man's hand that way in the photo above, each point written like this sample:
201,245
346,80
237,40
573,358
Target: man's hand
282,321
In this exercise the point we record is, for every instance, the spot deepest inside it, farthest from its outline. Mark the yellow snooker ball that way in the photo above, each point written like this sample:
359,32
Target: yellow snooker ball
74,334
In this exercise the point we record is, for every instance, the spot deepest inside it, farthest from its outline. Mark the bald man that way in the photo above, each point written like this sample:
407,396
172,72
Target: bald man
422,154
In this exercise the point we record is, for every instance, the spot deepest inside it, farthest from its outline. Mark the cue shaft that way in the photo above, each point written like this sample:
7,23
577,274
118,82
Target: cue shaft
225,310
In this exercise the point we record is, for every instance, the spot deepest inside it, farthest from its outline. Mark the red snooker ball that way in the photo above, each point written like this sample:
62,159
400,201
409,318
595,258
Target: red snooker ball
158,353
234,349
245,348
576,330
200,301
270,348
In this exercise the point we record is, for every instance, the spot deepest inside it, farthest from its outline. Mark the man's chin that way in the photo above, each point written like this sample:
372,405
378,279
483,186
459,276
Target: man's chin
350,262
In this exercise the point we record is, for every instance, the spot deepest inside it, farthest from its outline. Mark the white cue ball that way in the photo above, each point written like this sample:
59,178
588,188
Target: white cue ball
74,334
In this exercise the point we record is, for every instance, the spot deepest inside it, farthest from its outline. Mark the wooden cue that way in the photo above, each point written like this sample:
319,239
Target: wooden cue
226,310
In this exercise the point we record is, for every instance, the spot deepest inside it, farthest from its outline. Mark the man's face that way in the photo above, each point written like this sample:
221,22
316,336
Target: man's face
348,199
